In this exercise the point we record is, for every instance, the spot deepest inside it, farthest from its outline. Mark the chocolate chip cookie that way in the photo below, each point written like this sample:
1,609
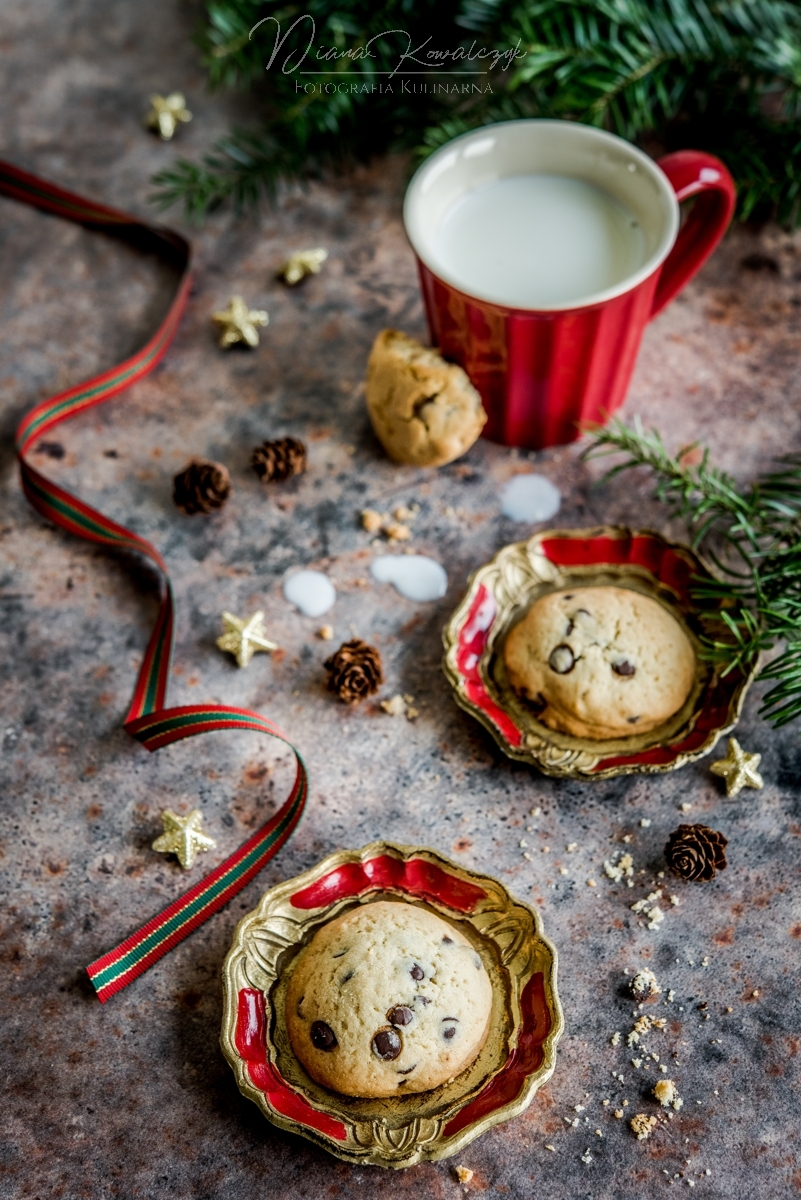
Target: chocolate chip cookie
600,662
424,410
386,1000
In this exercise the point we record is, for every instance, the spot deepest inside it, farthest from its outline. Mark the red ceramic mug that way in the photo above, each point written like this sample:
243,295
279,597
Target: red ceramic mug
545,368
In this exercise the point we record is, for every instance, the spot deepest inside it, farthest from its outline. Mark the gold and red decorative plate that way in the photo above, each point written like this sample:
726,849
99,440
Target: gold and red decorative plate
500,593
526,1022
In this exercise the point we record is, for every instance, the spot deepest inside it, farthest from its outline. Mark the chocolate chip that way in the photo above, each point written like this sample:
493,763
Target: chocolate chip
323,1036
571,625
417,972
400,1015
408,1070
448,941
348,975
387,1044
422,999
569,596
582,610
345,951
632,720
449,1032
624,667
562,660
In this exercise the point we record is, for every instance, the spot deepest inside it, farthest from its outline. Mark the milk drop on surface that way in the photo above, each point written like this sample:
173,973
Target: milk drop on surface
530,498
415,576
538,241
311,592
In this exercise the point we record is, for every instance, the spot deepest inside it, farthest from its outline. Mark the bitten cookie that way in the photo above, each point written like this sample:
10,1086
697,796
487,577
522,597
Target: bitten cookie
386,1000
600,662
425,411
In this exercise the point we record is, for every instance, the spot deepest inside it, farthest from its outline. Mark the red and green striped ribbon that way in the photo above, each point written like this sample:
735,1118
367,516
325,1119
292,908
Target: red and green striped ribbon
148,720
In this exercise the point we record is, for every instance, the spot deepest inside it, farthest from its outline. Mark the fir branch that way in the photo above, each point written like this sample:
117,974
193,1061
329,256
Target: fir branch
720,75
752,537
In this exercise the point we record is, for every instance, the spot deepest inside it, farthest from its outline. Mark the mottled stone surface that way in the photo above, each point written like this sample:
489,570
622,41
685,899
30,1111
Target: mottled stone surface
134,1098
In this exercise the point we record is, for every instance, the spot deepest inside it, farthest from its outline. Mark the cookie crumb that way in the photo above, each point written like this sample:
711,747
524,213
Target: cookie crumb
535,812
326,632
371,520
666,1092
645,822
619,1113
396,707
586,1156
615,1038
548,1146
645,983
643,1126
623,868
657,917
686,807
403,513
463,1174
572,847
563,871
396,532
591,883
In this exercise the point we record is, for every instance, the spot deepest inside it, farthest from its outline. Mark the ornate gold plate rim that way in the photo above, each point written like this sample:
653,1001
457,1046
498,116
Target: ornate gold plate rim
500,591
527,1019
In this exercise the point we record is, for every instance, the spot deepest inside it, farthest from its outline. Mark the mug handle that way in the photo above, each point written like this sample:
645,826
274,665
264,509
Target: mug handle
693,173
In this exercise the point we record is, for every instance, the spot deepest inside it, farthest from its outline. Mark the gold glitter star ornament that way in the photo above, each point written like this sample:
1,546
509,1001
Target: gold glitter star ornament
238,323
244,636
166,114
183,837
738,768
302,263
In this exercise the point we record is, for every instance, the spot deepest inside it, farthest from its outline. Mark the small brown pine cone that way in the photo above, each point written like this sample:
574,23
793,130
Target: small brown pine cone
354,671
696,852
201,487
276,461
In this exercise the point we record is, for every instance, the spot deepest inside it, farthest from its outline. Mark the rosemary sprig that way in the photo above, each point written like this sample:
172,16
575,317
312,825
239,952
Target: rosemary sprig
752,538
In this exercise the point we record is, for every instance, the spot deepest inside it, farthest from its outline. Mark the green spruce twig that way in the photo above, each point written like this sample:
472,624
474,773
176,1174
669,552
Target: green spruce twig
752,538
718,75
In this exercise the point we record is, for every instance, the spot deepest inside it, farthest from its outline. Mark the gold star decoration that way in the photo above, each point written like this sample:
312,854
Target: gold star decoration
183,837
238,323
166,113
302,263
244,636
738,768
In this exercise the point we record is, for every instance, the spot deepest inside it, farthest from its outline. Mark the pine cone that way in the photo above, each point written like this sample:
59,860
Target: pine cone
354,671
696,852
201,487
276,461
